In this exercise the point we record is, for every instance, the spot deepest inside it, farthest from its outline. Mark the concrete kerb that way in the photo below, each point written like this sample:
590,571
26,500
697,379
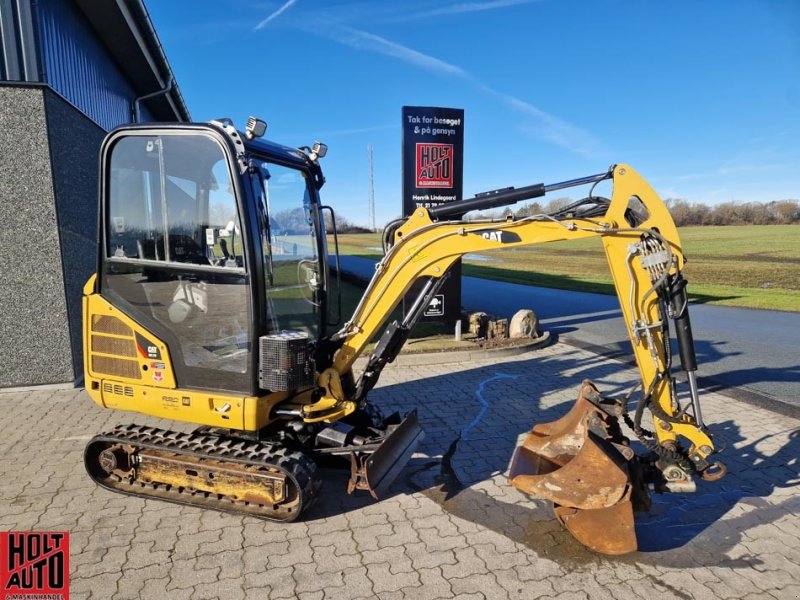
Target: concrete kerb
45,387
456,356
706,383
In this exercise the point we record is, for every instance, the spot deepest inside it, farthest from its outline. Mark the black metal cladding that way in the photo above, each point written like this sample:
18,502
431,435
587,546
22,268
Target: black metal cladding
52,42
18,55
77,66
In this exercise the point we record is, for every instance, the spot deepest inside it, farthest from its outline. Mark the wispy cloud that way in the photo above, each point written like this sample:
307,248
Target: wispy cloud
538,122
559,132
461,8
543,124
286,6
363,40
734,169
409,10
752,160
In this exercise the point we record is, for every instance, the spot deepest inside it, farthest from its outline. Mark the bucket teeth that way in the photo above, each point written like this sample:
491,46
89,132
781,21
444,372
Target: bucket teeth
574,463
604,530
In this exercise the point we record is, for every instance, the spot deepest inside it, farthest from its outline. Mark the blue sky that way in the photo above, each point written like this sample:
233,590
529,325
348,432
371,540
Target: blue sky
701,97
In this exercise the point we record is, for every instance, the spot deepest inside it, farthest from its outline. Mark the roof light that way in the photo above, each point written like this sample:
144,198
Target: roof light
319,149
255,128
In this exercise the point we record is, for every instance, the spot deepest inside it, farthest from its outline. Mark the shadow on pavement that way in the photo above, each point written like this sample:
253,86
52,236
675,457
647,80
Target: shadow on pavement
753,476
475,434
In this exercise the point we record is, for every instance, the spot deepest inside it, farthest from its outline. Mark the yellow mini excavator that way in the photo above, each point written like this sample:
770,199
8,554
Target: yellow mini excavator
213,304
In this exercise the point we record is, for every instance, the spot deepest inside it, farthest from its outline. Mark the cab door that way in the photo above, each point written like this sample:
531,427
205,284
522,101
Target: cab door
294,275
176,256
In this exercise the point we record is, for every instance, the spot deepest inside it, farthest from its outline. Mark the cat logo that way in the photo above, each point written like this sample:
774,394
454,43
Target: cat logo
147,348
501,237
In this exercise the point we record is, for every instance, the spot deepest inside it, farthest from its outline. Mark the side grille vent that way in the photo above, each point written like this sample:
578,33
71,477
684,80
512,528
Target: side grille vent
111,325
117,389
115,356
110,345
117,367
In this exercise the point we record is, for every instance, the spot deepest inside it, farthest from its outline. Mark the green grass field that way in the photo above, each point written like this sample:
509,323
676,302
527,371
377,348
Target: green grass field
753,266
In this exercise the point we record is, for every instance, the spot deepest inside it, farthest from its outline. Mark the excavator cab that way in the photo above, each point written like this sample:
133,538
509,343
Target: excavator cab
210,242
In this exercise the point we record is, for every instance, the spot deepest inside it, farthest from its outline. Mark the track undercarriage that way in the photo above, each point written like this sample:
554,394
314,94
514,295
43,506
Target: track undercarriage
270,479
206,470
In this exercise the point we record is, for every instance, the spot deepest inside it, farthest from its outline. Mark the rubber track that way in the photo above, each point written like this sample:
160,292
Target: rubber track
300,471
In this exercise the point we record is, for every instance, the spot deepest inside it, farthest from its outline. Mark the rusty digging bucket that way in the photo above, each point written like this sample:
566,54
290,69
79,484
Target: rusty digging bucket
581,463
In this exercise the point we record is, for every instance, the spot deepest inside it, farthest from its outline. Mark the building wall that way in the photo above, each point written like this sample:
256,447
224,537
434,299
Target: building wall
19,58
77,66
74,154
34,323
51,41
63,92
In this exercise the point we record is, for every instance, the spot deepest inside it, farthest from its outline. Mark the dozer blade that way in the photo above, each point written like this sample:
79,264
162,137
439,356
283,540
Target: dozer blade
573,463
375,471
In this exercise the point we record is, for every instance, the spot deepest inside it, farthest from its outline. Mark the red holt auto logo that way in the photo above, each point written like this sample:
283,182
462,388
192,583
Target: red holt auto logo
34,564
434,165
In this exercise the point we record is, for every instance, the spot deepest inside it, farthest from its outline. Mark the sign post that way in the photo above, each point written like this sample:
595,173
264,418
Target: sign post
433,168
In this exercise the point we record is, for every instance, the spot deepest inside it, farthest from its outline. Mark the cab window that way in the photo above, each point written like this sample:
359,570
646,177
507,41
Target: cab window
171,200
292,267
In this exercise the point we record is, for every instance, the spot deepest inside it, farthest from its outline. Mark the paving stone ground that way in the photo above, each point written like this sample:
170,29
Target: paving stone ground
738,538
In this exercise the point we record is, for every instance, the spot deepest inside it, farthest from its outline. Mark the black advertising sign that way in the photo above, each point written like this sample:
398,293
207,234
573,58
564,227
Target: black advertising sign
433,174
433,156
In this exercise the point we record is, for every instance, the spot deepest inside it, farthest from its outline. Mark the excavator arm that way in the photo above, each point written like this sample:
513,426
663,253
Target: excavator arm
644,257
646,260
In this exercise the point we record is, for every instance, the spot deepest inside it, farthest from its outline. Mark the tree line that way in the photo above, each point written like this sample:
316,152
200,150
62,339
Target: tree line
344,225
778,212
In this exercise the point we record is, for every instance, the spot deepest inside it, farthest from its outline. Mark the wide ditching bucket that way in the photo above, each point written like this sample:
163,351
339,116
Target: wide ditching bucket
580,463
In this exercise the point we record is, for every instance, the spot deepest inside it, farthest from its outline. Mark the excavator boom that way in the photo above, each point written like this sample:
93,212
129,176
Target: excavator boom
582,462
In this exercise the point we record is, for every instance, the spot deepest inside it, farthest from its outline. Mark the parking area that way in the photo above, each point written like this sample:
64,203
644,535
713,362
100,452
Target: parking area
452,526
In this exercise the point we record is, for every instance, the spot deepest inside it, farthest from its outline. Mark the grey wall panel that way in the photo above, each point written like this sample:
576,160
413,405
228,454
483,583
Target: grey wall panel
34,333
74,149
